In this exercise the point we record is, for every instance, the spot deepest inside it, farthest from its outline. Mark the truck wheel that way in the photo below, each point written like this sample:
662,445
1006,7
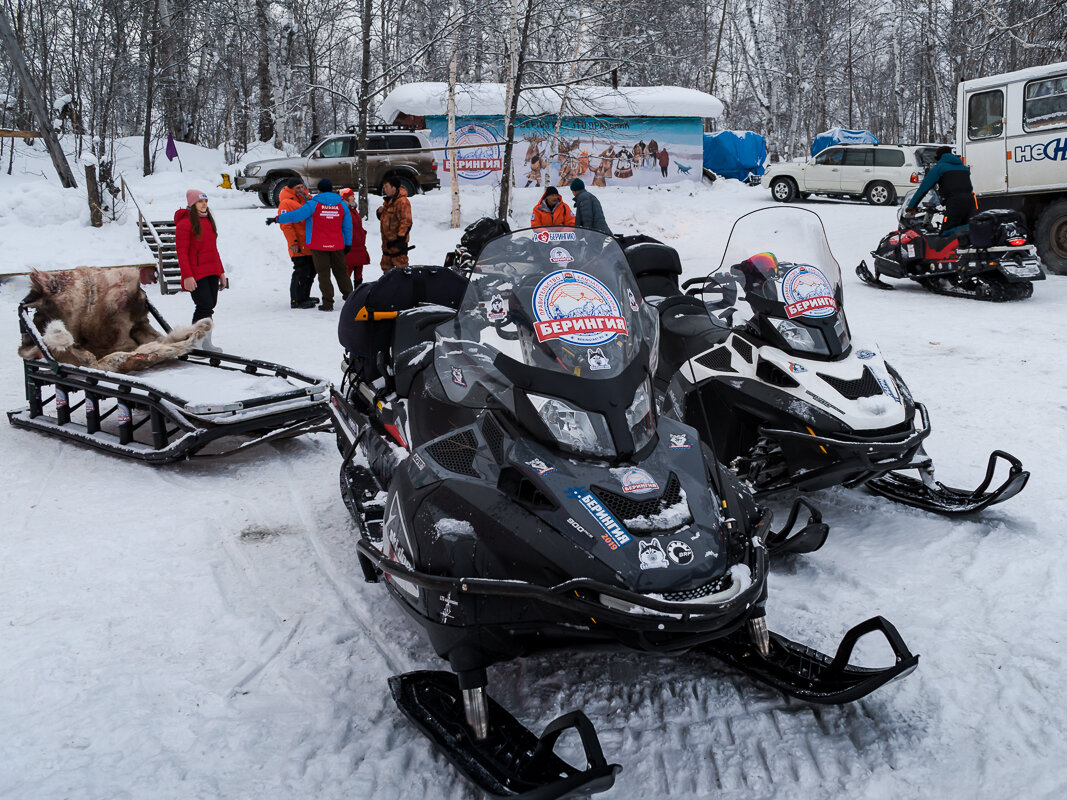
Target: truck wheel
1051,237
264,198
784,190
880,193
275,190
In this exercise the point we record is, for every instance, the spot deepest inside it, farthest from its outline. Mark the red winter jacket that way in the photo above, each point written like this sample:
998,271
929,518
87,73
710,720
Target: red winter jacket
357,257
197,258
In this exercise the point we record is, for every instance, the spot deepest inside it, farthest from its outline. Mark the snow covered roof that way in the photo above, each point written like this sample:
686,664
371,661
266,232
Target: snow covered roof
430,99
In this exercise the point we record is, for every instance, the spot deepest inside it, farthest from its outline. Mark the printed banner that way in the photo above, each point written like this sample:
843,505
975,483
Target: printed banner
602,151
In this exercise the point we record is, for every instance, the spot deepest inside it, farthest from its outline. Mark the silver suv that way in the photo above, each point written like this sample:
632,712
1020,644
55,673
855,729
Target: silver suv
880,174
335,158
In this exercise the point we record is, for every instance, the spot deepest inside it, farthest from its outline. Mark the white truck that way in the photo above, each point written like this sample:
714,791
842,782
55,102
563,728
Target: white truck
1011,130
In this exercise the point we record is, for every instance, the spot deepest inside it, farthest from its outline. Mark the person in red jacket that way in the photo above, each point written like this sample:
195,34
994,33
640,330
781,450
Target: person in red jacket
198,257
551,210
357,257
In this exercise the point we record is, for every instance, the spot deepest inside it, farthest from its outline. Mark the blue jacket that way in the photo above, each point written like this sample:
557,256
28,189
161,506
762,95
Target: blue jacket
588,213
305,213
951,176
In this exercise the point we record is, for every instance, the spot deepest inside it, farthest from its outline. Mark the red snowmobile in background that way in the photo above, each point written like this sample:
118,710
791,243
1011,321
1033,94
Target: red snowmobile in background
990,258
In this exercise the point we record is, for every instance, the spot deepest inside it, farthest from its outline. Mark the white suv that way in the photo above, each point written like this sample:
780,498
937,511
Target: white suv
878,173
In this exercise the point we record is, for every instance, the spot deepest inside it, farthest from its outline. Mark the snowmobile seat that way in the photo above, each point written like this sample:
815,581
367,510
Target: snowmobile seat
656,266
413,339
686,316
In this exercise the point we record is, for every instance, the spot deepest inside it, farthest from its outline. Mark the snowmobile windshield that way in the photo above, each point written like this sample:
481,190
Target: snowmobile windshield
782,279
555,313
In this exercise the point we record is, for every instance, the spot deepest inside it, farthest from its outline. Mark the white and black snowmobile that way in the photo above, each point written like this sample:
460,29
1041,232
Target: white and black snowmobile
516,491
759,358
989,258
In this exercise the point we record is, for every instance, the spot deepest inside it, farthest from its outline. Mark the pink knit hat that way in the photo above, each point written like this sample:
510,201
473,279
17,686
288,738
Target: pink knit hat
193,195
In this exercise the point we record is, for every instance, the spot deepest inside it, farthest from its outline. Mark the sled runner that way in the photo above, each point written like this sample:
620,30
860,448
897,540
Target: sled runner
172,410
515,490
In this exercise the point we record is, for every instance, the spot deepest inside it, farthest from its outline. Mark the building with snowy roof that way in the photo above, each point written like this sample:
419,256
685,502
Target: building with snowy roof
637,135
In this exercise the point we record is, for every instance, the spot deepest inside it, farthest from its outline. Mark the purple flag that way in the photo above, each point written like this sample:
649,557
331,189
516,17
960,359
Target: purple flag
172,149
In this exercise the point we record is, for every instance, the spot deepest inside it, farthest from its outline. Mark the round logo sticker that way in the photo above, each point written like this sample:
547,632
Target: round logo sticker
577,309
807,292
559,256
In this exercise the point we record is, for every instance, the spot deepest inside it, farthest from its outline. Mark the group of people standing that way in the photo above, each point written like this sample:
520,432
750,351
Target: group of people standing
325,238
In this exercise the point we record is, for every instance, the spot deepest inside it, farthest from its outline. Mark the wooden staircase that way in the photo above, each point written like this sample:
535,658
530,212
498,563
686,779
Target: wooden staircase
159,236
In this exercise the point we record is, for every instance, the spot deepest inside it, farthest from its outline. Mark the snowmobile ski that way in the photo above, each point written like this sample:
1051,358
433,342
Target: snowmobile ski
802,672
864,273
808,539
510,761
934,496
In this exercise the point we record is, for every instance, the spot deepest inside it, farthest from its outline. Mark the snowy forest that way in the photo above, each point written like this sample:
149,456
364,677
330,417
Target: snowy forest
238,72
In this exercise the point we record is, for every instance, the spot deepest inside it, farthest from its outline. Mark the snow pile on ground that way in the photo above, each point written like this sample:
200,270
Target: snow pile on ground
203,630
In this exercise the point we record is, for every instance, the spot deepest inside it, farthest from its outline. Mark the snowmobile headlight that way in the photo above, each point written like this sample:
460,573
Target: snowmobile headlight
252,169
639,417
575,429
798,337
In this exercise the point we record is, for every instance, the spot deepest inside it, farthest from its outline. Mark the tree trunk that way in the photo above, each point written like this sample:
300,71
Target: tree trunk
266,95
364,108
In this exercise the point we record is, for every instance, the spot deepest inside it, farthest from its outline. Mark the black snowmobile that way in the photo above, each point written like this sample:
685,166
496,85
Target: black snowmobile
516,492
758,357
990,258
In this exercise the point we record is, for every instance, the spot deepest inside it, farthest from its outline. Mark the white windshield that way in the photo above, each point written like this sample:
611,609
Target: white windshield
780,255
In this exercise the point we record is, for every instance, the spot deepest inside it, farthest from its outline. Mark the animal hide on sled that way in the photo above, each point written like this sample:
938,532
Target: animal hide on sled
99,318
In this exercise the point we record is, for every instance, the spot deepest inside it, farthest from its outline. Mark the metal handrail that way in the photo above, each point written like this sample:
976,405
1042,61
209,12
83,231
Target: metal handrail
142,222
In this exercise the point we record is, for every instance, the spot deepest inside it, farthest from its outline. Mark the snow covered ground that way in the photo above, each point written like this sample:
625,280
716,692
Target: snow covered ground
202,630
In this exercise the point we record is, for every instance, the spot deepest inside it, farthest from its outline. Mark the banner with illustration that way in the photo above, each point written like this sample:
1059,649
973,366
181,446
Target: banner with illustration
602,151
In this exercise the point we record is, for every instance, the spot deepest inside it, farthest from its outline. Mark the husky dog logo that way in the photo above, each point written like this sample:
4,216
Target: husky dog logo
679,441
541,467
632,299
651,554
457,377
597,359
496,308
577,309
680,552
637,481
807,292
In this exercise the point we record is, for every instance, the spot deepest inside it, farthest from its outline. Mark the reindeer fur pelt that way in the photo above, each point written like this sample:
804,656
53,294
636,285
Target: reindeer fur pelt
99,318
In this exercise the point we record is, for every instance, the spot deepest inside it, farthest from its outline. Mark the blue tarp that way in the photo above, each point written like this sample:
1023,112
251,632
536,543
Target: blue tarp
735,154
839,136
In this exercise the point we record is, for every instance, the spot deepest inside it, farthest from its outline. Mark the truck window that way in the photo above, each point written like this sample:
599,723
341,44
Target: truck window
859,157
1045,103
985,115
829,157
889,158
404,143
335,148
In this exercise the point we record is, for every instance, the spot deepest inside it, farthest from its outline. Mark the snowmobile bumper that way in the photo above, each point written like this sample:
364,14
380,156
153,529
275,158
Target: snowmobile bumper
660,625
856,459
931,495
807,674
510,761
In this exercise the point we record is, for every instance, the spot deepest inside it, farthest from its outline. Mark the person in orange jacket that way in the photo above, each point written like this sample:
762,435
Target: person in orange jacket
551,210
294,195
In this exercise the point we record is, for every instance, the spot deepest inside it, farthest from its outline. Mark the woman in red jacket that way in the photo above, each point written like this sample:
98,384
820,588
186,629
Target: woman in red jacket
198,257
357,257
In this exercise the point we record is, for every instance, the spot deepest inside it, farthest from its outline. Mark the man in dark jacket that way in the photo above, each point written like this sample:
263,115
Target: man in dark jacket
587,210
953,181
